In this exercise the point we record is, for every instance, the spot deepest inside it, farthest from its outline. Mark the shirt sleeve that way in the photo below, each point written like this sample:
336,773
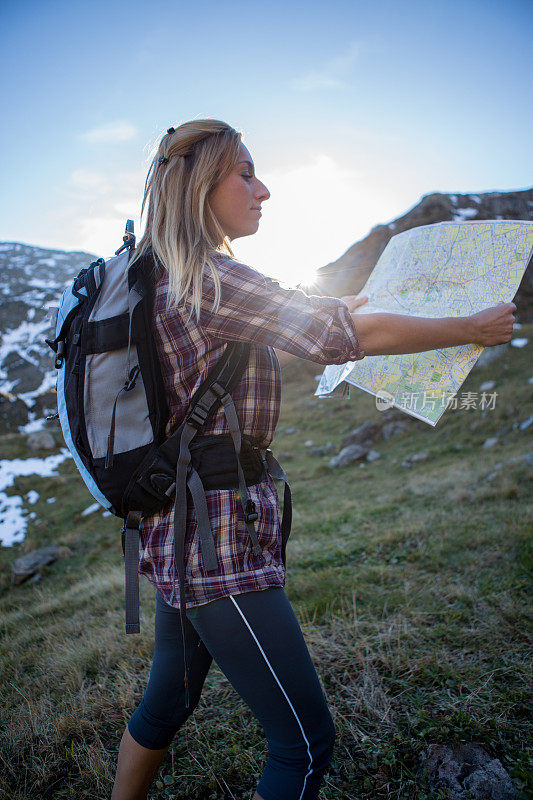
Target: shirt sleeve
255,308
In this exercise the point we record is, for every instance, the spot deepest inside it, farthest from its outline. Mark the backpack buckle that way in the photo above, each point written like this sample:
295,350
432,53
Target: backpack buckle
218,390
198,416
163,484
60,354
250,513
130,381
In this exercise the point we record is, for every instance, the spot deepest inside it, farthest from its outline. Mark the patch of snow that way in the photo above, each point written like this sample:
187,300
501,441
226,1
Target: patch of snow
453,198
51,500
465,213
6,388
32,497
107,514
90,510
31,313
13,521
519,342
26,334
476,198
40,283
33,425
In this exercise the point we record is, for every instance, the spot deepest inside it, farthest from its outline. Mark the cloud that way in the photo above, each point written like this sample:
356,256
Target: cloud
87,179
95,208
110,133
331,74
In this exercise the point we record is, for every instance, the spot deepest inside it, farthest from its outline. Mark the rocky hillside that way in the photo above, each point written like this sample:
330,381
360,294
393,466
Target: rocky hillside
350,272
32,280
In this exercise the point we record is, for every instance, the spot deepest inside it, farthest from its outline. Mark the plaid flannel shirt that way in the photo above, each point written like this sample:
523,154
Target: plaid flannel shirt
254,308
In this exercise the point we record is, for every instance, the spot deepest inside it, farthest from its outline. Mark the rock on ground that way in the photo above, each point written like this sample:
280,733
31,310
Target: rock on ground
414,457
490,354
28,564
348,455
468,772
40,440
364,435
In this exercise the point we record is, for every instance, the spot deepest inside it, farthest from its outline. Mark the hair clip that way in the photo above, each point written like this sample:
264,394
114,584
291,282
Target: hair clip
171,130
162,160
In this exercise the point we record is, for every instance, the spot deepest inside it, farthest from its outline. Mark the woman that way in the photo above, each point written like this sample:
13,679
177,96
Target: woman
203,193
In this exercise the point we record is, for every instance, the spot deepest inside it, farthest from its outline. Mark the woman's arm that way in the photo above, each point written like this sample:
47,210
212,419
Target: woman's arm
351,301
391,334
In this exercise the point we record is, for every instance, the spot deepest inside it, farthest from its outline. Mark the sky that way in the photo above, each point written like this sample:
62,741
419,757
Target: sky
351,110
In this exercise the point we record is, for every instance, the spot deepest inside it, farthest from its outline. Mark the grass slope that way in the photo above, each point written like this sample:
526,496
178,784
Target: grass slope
410,584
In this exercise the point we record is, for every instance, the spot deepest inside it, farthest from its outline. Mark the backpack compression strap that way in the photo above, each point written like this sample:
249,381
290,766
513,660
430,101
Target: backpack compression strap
206,402
130,547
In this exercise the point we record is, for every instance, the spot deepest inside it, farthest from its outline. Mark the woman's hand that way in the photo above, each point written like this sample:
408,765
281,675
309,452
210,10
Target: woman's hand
493,325
353,301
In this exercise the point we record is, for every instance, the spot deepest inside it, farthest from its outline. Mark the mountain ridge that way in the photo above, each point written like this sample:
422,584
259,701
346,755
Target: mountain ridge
32,279
349,273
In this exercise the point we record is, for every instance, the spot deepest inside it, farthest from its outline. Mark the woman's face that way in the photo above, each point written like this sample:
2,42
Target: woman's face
236,200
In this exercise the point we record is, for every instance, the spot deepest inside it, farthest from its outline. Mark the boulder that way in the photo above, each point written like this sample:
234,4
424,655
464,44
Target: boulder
40,440
364,435
354,452
322,449
466,772
412,459
28,564
391,428
491,354
13,413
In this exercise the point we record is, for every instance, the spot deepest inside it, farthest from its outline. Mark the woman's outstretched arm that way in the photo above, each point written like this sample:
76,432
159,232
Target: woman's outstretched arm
391,334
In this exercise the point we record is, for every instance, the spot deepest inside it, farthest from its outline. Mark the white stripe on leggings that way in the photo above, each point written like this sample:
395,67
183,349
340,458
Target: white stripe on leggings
282,689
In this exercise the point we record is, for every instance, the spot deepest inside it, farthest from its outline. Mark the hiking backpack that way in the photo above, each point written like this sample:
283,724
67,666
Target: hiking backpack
113,415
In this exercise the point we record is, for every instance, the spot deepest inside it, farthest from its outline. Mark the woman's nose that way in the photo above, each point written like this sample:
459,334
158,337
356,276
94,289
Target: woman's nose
262,192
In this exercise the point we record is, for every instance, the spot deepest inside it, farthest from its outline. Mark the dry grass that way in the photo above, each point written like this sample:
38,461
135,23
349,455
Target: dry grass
411,586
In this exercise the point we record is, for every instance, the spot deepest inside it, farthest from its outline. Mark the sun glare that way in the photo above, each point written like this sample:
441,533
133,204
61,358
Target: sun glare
315,212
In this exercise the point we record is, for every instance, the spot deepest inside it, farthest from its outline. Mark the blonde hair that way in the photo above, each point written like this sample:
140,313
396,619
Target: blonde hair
181,229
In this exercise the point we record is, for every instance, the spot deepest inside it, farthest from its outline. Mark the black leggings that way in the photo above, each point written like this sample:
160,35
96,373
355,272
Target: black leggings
257,642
